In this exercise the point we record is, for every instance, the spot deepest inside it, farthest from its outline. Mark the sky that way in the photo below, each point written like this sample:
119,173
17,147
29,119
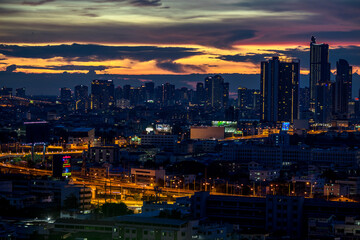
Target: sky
119,38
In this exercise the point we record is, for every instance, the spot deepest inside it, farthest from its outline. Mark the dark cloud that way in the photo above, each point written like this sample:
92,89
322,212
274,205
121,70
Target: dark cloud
66,67
251,57
139,3
328,10
180,68
326,36
8,11
164,56
11,68
276,23
90,15
350,53
217,34
90,52
146,3
36,3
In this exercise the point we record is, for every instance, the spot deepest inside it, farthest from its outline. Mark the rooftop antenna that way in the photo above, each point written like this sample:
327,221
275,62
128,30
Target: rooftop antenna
313,39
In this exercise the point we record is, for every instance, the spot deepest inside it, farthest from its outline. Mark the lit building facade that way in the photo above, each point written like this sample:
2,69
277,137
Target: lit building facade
343,88
320,85
102,94
217,92
280,90
81,97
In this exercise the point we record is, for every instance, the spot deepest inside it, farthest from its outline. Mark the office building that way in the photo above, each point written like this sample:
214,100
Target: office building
118,94
147,176
279,90
203,132
109,154
216,92
275,157
343,89
283,215
65,94
81,97
102,94
226,94
200,93
149,91
20,92
126,91
159,140
168,94
242,98
81,136
37,131
5,91
320,92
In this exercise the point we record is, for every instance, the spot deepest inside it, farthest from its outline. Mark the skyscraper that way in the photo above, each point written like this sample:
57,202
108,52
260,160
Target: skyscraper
226,94
343,88
126,91
102,94
65,94
280,90
81,97
200,93
241,98
168,94
216,91
20,92
320,93
118,94
5,91
149,91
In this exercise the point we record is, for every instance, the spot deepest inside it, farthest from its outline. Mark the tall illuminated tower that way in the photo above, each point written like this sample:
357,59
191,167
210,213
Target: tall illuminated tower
280,90
320,92
81,97
343,88
102,94
217,92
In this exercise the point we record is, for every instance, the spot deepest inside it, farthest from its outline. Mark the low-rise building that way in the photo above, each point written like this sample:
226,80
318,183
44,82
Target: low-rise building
264,174
82,136
102,154
147,176
159,141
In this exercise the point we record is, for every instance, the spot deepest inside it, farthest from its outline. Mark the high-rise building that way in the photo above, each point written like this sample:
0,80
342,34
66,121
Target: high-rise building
242,98
168,94
343,88
279,90
226,94
65,94
149,91
118,93
4,91
126,91
102,94
200,93
81,97
216,91
20,92
320,85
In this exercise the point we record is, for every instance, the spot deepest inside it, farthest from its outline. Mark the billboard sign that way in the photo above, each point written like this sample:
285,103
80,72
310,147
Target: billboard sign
285,126
163,128
66,166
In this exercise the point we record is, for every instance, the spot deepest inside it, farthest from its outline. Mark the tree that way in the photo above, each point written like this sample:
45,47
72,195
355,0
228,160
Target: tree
115,209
